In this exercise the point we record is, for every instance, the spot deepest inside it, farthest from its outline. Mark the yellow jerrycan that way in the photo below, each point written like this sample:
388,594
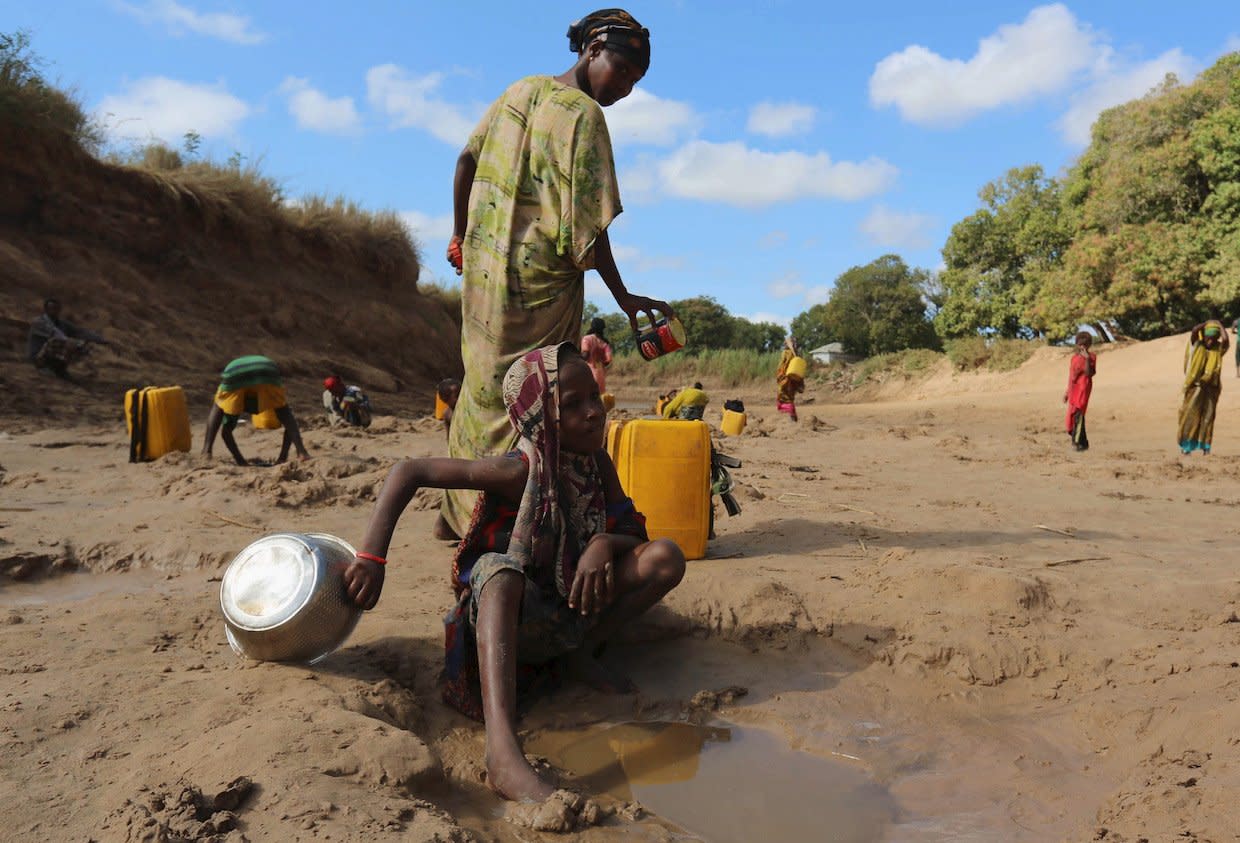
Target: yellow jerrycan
797,367
733,423
158,422
664,466
266,420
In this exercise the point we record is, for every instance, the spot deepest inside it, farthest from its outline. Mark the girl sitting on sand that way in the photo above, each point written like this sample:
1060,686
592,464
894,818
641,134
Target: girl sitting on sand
555,560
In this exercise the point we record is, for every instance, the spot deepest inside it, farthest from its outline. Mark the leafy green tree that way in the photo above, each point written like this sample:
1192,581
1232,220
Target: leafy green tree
879,308
996,258
708,324
757,336
810,327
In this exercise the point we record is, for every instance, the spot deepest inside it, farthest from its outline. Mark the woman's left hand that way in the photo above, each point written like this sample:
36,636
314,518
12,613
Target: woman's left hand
594,583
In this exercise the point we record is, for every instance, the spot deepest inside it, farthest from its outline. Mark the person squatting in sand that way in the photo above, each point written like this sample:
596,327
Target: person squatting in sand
251,385
1081,371
345,404
534,193
788,385
556,558
1203,371
688,403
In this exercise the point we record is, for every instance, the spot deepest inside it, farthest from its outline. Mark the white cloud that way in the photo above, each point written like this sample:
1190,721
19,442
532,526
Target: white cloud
312,109
1231,45
817,294
1115,85
428,229
410,101
643,118
735,174
893,229
764,316
179,19
168,108
778,120
1040,56
786,286
630,258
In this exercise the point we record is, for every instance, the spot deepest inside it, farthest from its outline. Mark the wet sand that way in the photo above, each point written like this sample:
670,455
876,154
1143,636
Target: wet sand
1007,639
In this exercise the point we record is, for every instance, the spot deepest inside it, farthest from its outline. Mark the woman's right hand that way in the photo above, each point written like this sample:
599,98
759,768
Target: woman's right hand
633,305
454,254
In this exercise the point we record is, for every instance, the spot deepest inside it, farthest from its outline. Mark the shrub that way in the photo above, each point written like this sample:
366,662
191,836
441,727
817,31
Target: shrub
910,361
26,98
997,355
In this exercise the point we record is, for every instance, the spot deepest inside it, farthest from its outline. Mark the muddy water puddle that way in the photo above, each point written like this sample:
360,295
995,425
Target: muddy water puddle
723,782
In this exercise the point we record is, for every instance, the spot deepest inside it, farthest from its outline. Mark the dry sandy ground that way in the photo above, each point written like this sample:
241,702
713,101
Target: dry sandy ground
889,593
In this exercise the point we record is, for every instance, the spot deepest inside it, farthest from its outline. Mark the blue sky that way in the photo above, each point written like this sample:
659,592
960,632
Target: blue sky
772,145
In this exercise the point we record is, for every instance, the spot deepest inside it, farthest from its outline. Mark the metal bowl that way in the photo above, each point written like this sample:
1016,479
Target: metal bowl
284,598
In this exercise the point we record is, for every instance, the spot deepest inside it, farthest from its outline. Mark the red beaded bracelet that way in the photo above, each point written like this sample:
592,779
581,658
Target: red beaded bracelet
370,557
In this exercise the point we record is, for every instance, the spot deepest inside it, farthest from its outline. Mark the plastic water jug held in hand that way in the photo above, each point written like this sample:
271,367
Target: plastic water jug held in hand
796,368
664,336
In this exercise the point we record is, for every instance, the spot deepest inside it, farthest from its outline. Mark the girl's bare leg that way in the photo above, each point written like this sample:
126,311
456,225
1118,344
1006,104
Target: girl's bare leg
499,607
644,576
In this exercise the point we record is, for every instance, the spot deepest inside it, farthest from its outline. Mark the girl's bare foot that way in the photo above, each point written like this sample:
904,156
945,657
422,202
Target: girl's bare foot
512,777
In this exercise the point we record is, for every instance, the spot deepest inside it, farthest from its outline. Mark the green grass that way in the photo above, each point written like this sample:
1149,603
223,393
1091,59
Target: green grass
998,355
907,362
722,367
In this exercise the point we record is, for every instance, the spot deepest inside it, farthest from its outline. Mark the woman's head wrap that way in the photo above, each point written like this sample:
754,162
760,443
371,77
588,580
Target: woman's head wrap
618,30
1212,329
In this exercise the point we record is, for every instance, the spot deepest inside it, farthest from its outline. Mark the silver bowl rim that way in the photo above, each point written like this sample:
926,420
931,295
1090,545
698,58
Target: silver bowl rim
315,552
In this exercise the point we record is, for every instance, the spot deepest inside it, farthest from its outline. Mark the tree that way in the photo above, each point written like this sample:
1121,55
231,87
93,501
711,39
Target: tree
997,257
810,327
707,323
757,336
880,307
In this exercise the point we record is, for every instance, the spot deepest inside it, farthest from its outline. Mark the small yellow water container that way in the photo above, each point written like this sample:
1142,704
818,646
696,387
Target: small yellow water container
733,423
158,422
664,466
266,420
797,367
440,407
609,401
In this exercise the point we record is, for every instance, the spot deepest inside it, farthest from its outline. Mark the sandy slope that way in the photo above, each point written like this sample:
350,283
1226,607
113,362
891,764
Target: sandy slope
897,602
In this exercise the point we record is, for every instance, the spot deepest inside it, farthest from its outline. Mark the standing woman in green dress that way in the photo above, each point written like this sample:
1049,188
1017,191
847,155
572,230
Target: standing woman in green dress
534,192
1203,370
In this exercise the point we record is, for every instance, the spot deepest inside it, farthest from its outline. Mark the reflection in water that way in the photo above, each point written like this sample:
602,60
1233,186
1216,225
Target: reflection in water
724,784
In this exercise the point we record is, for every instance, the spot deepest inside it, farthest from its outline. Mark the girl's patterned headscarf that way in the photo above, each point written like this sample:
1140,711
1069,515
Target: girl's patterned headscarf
544,525
618,30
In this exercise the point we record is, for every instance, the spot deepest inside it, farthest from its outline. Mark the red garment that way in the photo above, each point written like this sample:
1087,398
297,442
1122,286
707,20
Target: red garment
1080,384
597,352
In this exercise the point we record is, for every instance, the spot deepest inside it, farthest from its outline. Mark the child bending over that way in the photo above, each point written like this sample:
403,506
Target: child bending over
555,560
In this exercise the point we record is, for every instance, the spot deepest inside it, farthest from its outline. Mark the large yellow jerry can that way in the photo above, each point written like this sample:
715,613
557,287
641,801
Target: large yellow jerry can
733,423
797,368
266,420
158,422
664,466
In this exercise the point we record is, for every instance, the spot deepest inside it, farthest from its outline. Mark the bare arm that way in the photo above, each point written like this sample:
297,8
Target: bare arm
462,184
605,265
364,578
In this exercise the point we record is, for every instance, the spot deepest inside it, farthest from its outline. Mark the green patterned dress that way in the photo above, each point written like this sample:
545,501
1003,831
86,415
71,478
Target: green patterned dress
544,189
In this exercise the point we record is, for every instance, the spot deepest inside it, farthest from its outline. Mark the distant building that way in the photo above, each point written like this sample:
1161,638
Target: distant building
833,352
